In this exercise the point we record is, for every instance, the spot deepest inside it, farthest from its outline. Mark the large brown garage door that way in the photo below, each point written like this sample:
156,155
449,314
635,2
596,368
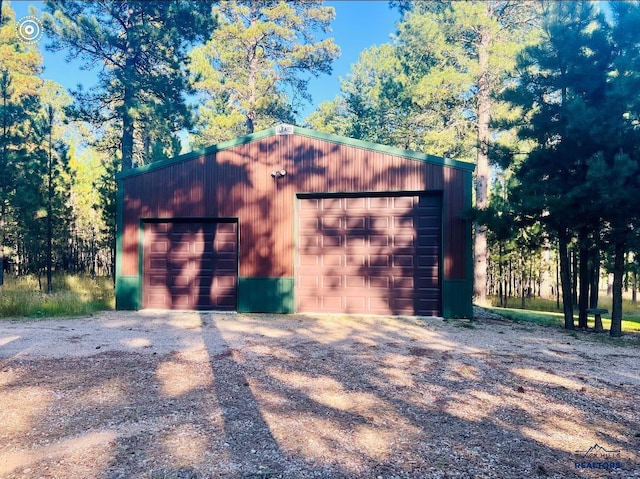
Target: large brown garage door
375,255
190,265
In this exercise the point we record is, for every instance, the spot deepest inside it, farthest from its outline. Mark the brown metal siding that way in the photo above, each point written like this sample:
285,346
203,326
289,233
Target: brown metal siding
237,183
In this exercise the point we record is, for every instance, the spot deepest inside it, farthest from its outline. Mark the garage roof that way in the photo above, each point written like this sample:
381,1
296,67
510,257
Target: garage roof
341,140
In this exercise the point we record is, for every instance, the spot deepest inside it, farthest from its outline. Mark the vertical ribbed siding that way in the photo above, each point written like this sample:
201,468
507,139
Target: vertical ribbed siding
237,182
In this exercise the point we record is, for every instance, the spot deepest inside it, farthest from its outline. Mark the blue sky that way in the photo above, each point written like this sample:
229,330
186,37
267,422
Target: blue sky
358,25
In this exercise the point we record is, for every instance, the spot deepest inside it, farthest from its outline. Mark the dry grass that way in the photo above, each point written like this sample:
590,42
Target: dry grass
22,298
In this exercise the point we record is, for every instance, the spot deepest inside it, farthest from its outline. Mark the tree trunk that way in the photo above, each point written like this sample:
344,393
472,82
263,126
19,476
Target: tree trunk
523,285
565,279
595,278
574,279
634,291
253,76
482,168
50,202
3,171
558,279
500,278
128,130
583,299
128,126
616,306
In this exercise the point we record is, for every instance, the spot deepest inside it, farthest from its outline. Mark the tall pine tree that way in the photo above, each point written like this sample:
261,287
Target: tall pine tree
141,47
20,66
253,71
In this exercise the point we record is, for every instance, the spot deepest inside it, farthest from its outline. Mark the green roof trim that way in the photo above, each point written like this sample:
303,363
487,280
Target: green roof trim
341,140
225,145
391,150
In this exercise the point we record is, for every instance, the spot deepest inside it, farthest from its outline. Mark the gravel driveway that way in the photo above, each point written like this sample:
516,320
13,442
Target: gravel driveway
187,395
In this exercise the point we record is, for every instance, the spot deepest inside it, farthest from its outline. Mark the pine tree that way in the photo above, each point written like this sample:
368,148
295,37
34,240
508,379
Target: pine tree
20,65
253,72
580,89
142,47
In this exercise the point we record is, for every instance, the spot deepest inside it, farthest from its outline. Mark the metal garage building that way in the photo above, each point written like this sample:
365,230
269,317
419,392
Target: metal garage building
294,220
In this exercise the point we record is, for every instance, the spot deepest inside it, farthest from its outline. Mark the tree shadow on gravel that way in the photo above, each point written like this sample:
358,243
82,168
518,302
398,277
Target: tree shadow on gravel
305,397
382,402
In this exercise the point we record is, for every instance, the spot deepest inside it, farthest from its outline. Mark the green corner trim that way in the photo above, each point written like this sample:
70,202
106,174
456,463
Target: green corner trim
265,295
127,293
457,298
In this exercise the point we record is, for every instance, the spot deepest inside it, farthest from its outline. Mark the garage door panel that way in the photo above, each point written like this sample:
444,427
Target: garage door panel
312,224
355,203
331,223
331,304
379,223
428,240
356,281
380,282
379,203
404,260
158,280
355,304
403,223
223,228
403,283
355,260
181,301
312,204
331,282
182,281
159,246
428,260
379,241
309,260
331,260
227,302
356,224
372,256
308,281
196,268
227,283
405,305
157,298
404,202
332,204
224,266
158,264
310,241
404,241
428,222
331,241
355,241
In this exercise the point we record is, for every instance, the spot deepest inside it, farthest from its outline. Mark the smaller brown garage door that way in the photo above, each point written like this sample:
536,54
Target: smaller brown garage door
190,265
375,255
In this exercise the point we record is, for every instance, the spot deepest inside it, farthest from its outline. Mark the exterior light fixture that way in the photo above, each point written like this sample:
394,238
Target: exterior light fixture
278,173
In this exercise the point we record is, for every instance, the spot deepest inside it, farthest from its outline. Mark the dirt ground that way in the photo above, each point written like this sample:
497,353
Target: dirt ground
185,395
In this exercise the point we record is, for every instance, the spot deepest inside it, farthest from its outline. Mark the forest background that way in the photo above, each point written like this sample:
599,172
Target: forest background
542,96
